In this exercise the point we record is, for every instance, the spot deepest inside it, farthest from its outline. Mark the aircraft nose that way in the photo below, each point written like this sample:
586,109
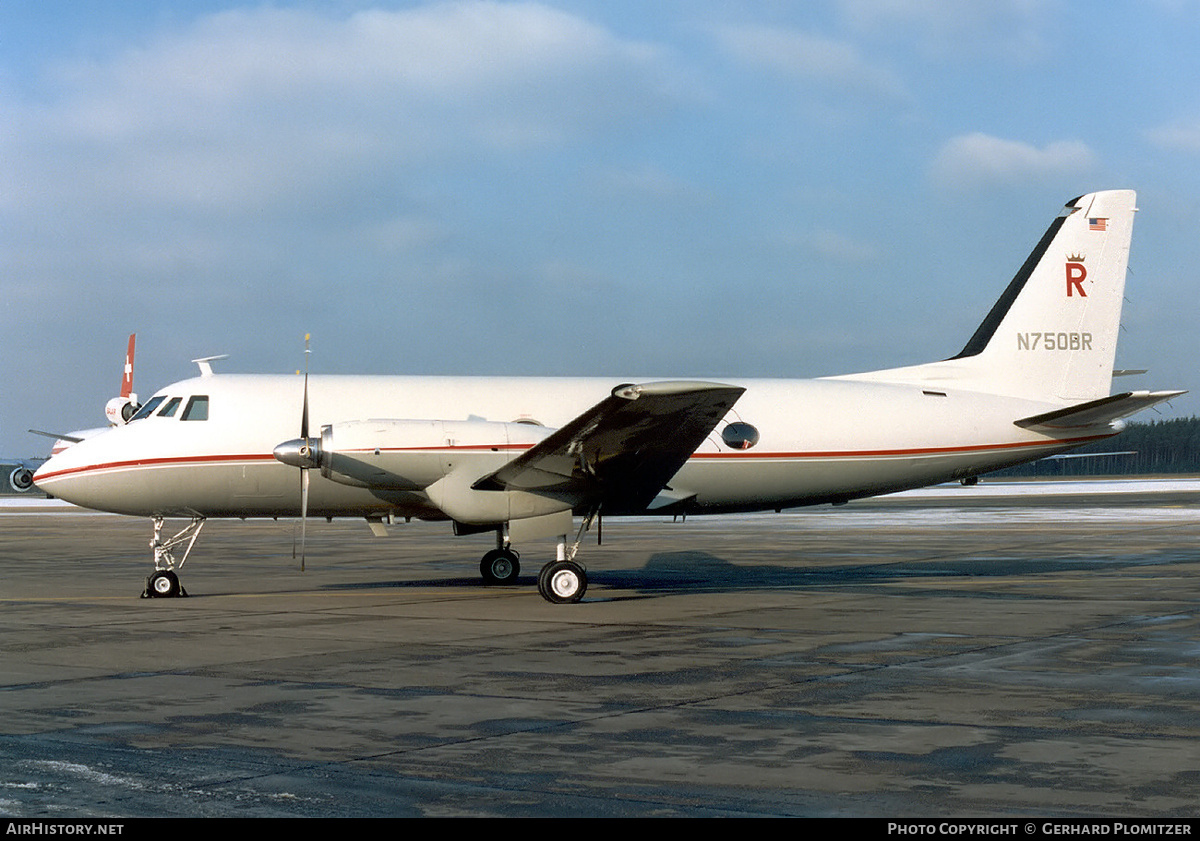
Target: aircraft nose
65,475
44,481
41,473
76,476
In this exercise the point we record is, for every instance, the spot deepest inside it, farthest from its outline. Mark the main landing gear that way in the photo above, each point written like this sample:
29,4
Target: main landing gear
164,582
562,581
500,566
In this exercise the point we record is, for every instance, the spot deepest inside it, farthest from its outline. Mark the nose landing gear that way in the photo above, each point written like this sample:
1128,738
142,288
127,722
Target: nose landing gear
164,582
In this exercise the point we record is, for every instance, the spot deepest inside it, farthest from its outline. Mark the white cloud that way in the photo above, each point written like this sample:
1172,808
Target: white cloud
829,64
972,160
1183,136
247,105
951,28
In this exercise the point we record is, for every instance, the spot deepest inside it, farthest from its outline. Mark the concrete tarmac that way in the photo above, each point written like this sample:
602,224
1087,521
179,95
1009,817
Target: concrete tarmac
955,657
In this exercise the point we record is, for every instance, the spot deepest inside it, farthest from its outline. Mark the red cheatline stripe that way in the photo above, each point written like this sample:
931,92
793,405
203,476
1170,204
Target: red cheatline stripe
155,462
739,454
915,451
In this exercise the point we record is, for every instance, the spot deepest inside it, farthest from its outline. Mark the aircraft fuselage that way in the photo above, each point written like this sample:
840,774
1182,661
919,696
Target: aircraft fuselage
824,440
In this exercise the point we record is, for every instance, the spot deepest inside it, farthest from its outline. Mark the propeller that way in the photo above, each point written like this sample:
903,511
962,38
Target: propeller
305,453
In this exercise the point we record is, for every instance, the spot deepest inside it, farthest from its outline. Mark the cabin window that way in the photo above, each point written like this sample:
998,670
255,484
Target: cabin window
740,435
197,408
168,411
147,410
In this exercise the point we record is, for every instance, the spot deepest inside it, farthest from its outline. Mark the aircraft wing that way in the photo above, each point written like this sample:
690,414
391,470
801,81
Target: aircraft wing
58,436
622,451
1096,412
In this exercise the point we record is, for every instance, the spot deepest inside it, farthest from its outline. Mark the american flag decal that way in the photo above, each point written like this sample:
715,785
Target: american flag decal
1097,224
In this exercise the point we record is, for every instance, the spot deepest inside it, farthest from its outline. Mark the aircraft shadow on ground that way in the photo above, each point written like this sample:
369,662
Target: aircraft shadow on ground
690,571
701,570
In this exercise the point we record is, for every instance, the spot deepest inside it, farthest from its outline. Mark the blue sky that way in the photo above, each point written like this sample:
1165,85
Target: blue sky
614,188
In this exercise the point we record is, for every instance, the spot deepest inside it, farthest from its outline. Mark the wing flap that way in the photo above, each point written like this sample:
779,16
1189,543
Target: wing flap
1096,412
622,451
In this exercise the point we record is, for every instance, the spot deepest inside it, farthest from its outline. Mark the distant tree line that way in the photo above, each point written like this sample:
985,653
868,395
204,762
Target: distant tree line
1167,446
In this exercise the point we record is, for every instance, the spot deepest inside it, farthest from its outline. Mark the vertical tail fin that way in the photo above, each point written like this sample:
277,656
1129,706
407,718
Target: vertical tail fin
127,370
120,409
1054,331
1052,335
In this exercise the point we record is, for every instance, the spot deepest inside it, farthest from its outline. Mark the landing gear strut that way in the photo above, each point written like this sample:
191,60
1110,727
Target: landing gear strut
164,583
563,581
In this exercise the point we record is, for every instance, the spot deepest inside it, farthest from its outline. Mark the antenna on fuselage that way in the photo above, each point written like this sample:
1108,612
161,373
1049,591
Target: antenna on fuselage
205,363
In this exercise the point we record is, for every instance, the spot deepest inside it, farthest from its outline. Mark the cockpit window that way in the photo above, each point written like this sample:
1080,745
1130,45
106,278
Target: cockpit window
197,408
166,407
169,409
148,409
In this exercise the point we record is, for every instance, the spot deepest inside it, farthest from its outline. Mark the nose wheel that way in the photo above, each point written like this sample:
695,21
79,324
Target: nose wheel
163,584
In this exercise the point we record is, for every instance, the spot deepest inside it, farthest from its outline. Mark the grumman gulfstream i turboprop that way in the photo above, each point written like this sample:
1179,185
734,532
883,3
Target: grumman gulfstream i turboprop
527,458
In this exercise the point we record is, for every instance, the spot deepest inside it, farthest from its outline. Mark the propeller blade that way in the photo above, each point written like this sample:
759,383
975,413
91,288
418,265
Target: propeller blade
304,411
303,513
305,453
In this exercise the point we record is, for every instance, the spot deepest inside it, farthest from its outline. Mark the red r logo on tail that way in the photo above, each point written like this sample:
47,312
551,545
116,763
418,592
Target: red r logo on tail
1075,277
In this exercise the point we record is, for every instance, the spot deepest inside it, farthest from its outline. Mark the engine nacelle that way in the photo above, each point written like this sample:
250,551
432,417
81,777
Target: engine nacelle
120,409
411,455
20,479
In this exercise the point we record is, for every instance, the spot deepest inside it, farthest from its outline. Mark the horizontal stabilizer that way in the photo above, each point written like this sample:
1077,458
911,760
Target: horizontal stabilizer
622,451
1097,412
1062,456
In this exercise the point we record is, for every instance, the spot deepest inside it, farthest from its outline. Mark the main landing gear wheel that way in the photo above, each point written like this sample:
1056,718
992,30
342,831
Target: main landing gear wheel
163,584
562,582
500,566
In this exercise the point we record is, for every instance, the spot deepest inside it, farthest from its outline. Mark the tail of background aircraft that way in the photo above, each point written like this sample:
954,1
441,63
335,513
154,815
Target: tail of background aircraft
120,409
1052,335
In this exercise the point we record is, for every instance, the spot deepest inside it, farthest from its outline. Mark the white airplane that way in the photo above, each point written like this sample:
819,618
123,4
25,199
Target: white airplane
524,457
118,410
